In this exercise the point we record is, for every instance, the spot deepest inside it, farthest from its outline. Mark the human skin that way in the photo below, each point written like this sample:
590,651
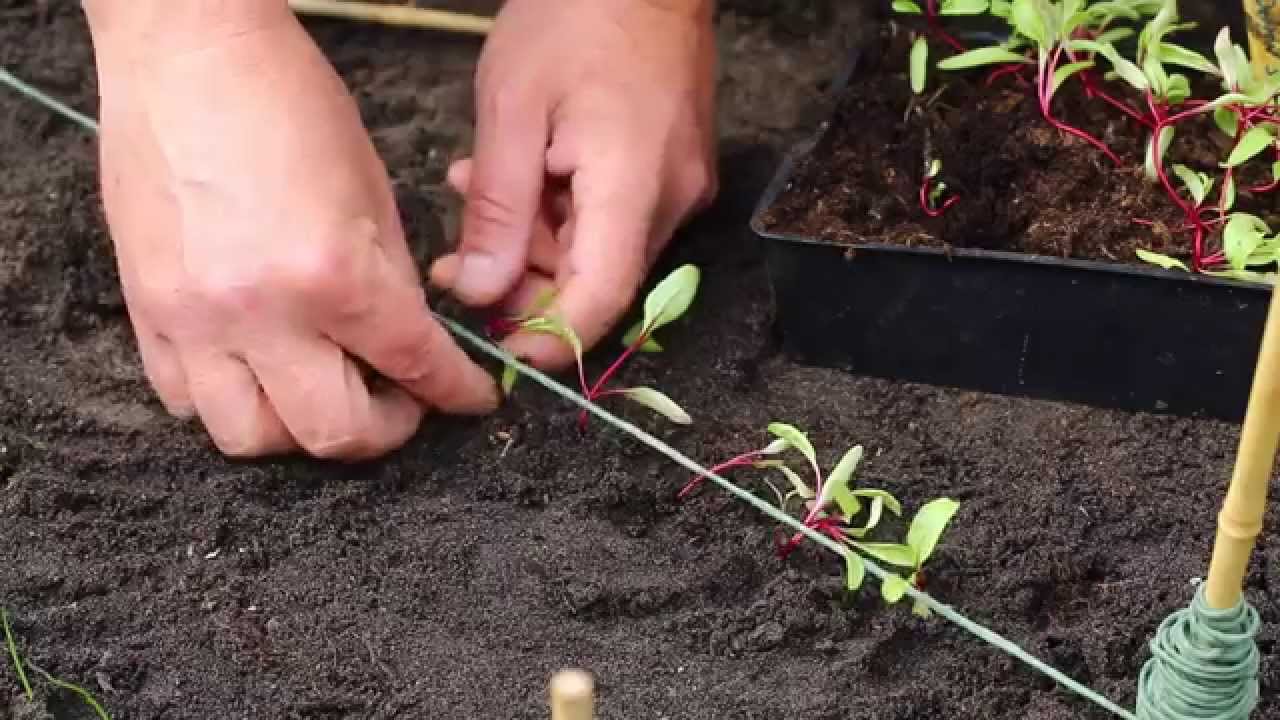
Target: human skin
260,249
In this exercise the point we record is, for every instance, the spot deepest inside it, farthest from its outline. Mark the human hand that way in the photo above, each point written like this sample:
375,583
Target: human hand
594,141
257,237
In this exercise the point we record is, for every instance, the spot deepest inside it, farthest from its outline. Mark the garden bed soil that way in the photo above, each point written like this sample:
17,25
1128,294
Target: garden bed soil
1023,186
452,578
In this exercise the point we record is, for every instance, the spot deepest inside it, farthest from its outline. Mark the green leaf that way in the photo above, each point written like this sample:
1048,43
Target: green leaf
919,609
1002,8
777,446
1163,261
907,7
1243,234
935,167
1125,68
668,300
1275,170
509,377
795,439
1227,121
1149,165
1244,275
982,56
1224,49
889,500
854,570
836,488
928,525
632,335
798,485
892,553
1066,71
553,326
659,403
893,588
919,64
1178,55
1227,196
1028,21
963,7
1194,181
1254,142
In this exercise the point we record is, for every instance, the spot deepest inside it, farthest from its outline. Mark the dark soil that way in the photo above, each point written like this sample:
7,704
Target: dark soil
451,579
1022,185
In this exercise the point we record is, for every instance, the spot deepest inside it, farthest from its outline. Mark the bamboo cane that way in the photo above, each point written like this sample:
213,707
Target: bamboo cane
1262,18
1240,520
395,15
572,696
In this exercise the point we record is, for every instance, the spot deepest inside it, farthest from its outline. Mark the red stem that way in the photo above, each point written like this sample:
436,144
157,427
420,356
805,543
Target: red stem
594,392
925,187
931,18
1043,80
740,461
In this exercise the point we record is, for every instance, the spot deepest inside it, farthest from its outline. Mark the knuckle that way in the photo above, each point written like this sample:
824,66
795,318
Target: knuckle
227,293
487,208
416,364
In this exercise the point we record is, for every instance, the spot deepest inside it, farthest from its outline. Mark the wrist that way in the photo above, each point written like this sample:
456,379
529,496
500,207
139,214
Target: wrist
155,28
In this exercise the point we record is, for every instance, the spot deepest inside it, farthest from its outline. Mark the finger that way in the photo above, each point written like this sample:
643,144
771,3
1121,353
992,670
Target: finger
502,198
603,268
544,252
233,408
326,405
396,334
529,294
164,371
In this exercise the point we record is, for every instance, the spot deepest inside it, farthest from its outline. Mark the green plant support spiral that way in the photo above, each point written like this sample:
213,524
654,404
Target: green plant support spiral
1204,665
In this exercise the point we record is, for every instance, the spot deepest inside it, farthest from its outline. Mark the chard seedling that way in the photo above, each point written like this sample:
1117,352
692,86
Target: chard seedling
932,10
931,192
666,303
837,508
922,539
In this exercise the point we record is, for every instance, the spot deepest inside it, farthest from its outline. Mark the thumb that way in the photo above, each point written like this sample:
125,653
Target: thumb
502,200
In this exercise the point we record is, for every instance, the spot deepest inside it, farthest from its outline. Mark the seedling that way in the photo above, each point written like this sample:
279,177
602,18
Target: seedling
931,192
922,539
933,10
19,664
666,303
837,508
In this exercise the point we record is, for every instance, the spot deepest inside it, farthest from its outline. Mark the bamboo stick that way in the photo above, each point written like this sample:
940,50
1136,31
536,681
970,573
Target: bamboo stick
395,15
1240,520
572,696
1262,21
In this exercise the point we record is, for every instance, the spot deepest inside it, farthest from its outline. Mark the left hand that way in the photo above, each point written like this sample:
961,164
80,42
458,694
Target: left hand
595,141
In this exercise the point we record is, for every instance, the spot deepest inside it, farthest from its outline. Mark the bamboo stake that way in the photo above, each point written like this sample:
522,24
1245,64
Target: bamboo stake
572,696
395,15
1240,520
1262,18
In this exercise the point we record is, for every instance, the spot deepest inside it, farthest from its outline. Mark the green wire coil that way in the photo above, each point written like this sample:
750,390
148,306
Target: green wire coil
1204,664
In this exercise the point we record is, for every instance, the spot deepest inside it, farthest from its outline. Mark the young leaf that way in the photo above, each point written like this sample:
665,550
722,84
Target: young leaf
1124,67
667,301
891,553
1244,275
907,7
919,609
1194,182
1243,234
893,588
1227,121
919,64
935,167
795,439
1066,71
1028,21
928,525
1163,261
633,334
889,500
552,326
509,377
836,488
1255,141
982,56
659,403
1227,196
777,446
854,570
1178,55
798,485
963,7
1149,165
1224,49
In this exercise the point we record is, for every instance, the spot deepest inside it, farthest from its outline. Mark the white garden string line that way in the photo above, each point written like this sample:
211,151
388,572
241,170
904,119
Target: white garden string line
674,455
763,506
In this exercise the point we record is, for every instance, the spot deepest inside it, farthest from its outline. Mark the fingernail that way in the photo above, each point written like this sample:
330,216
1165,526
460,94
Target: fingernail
478,280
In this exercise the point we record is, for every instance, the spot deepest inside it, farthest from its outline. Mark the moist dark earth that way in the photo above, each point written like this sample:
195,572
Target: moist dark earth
1019,184
452,578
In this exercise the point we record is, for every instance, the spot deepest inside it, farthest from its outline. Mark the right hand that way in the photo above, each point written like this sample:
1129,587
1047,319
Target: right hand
258,241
